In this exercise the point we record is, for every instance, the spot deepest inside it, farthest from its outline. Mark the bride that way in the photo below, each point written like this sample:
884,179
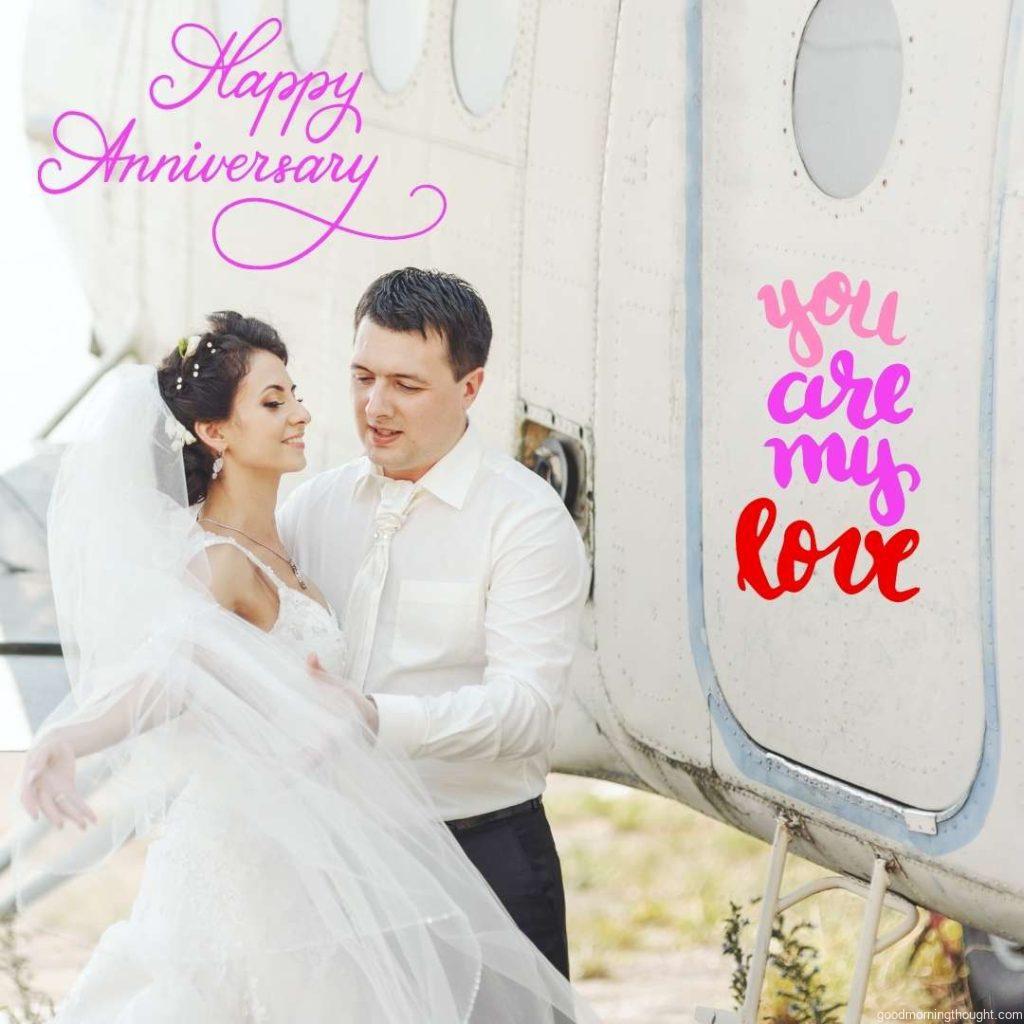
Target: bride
295,871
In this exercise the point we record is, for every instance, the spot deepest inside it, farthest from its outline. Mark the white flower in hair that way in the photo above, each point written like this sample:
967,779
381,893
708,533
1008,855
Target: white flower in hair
191,345
179,435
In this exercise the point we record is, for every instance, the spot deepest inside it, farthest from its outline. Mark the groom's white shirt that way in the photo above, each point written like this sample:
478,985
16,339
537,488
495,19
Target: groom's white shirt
478,618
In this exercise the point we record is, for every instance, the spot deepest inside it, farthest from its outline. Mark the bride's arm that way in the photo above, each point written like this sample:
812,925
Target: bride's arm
48,776
144,702
48,783
140,708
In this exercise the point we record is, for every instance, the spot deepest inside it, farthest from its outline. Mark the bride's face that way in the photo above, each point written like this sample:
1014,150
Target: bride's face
268,420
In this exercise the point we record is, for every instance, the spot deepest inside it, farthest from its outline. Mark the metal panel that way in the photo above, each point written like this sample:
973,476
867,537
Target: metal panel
561,212
840,659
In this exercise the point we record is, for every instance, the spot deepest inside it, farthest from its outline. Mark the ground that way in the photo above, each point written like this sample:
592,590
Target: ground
648,886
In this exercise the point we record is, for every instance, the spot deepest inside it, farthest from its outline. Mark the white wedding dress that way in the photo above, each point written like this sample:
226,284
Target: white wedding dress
211,883
296,873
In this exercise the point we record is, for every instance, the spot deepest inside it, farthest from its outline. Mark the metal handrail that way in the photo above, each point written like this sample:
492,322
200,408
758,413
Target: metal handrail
892,900
129,350
32,648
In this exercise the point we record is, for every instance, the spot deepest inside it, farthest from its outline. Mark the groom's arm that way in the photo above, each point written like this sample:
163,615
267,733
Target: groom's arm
539,582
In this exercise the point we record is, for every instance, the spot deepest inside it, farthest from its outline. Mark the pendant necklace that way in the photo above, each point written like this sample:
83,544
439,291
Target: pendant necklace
234,529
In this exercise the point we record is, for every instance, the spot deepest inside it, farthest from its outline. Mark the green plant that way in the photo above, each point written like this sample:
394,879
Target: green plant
732,947
33,1007
800,990
797,964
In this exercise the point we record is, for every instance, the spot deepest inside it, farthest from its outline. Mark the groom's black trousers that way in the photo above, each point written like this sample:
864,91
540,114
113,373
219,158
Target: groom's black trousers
515,852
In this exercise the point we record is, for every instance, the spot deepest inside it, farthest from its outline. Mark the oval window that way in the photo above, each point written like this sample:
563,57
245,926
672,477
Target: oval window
846,92
395,31
483,49
310,29
240,16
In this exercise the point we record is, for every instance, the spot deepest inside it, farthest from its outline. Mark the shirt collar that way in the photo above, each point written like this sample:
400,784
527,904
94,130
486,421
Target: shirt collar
450,477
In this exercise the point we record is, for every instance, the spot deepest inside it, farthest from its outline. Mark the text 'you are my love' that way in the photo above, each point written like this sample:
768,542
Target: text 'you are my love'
847,456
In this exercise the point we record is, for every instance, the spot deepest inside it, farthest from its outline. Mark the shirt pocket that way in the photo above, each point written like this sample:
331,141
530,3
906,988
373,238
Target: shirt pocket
437,623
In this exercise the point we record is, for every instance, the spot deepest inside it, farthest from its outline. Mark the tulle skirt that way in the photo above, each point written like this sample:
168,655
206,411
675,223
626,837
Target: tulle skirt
224,930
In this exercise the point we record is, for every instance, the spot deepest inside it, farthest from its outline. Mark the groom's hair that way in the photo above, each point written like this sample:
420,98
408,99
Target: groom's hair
411,299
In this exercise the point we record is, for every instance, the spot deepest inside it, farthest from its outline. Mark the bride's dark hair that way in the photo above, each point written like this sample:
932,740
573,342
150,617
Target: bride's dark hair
210,396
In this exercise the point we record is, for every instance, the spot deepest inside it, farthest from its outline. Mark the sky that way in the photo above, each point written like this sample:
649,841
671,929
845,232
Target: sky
44,332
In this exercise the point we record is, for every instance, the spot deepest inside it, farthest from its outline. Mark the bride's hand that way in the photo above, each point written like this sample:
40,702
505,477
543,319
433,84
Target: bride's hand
48,785
363,705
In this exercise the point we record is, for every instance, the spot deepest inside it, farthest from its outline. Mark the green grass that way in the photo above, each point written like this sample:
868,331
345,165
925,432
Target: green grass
643,873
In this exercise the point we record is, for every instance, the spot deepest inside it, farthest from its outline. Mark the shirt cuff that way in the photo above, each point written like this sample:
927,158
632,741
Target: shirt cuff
401,722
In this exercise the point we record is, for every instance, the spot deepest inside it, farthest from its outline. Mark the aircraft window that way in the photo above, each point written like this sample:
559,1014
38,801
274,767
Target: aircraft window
395,32
846,92
483,49
237,16
310,29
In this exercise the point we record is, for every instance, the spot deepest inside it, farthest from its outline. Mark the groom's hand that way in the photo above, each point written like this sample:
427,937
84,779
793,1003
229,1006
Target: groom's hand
364,705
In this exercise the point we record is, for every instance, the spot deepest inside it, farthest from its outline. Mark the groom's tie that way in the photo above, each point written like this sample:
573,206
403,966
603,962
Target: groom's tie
368,584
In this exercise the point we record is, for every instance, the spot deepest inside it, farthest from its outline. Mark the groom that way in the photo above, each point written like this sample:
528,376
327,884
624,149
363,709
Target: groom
463,577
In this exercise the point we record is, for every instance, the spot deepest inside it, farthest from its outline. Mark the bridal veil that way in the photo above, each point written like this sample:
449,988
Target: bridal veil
174,693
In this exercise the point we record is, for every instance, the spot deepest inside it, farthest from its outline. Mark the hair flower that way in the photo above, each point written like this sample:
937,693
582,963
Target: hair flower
187,347
179,435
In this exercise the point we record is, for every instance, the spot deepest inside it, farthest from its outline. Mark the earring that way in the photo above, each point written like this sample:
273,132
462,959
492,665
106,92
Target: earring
218,465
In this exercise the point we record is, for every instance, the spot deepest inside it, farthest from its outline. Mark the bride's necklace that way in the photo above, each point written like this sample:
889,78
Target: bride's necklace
234,529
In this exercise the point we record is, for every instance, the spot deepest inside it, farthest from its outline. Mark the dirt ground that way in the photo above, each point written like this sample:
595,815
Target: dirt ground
659,988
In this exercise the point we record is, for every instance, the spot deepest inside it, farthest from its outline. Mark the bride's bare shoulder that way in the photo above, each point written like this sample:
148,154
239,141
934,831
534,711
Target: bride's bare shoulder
231,576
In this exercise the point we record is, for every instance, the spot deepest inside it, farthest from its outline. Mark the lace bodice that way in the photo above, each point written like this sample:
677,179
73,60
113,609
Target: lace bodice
302,622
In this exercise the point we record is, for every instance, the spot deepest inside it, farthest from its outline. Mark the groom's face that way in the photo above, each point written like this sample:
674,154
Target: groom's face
409,408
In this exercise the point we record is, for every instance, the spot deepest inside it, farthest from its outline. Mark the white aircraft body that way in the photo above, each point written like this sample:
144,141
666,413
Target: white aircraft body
681,215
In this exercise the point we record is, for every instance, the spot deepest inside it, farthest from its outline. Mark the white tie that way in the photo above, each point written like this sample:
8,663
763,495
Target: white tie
368,584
